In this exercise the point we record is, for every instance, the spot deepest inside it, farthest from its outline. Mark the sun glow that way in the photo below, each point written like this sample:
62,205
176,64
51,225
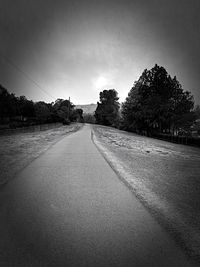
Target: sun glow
100,82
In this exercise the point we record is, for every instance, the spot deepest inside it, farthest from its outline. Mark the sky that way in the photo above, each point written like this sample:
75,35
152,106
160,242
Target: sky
59,49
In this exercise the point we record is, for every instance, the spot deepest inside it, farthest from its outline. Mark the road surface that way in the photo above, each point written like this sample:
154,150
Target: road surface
68,208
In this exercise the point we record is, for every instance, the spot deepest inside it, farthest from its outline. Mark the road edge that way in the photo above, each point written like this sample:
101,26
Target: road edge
191,252
6,181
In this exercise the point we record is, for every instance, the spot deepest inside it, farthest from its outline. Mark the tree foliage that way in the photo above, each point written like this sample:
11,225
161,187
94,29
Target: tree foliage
25,107
42,112
62,109
7,103
89,118
107,111
11,106
77,115
19,111
196,126
157,102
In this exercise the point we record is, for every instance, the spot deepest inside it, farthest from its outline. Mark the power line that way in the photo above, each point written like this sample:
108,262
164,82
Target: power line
23,72
26,75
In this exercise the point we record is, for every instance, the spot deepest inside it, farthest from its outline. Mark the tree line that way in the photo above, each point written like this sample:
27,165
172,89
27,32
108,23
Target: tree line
19,111
156,103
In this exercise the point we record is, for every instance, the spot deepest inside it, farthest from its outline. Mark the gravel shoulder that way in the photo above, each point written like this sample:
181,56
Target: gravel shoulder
163,175
18,150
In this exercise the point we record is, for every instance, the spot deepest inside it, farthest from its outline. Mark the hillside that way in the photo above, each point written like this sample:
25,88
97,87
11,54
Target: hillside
90,108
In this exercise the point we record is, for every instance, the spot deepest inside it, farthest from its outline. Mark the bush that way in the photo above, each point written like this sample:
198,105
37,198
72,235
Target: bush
66,122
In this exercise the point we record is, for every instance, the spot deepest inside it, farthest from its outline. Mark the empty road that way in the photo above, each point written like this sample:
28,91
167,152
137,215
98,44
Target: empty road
68,208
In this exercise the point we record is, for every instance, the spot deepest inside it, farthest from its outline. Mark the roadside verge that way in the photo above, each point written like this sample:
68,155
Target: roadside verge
20,149
185,235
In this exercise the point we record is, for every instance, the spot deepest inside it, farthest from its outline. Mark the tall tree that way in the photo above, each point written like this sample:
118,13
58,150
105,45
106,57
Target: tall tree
63,109
157,102
107,111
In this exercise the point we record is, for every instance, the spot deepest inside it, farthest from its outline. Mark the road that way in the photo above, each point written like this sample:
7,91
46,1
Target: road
68,208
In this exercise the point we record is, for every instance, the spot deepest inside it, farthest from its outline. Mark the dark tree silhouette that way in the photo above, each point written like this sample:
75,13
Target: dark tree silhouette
76,115
42,112
196,125
157,103
63,109
107,111
8,104
89,118
26,107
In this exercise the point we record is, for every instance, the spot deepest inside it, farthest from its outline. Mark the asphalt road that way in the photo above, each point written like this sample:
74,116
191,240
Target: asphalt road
68,208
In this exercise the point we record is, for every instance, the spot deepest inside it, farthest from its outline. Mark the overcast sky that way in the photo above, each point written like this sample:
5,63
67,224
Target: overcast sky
53,49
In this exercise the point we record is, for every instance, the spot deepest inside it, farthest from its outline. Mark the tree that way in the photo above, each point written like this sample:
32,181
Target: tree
63,109
196,125
8,104
89,118
42,112
76,115
25,107
182,104
157,103
197,112
107,111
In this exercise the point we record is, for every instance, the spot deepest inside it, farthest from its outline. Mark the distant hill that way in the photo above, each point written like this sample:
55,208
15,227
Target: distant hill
87,108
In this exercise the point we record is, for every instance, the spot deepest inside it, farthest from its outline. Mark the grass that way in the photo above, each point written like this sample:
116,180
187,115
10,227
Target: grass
163,175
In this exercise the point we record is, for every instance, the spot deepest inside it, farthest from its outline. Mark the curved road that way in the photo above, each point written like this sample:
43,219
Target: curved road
68,208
